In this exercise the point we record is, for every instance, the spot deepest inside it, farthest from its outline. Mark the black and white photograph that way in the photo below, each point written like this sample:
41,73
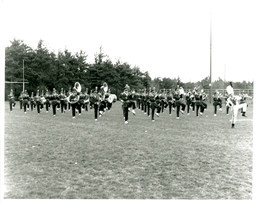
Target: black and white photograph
127,100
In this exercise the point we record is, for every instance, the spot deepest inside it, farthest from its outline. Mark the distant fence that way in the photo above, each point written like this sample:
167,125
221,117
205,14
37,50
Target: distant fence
236,91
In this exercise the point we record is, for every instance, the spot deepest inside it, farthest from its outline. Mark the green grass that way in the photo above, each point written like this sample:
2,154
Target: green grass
64,158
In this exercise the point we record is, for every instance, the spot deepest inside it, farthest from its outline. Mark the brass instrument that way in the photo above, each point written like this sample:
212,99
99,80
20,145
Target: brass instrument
74,96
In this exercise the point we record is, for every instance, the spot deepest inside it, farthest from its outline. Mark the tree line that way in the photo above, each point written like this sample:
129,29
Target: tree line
44,69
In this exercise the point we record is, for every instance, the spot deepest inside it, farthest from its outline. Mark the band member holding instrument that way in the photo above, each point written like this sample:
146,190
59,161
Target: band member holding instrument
125,103
203,100
193,99
95,99
132,99
80,103
108,100
163,100
73,99
48,99
25,99
11,100
86,99
103,103
62,97
32,101
217,102
155,103
178,96
182,99
144,102
55,101
198,101
137,98
226,103
37,99
170,101
43,100
111,98
234,101
188,100
244,97
147,102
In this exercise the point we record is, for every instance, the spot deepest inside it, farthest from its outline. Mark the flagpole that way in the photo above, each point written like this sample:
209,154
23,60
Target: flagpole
23,77
210,96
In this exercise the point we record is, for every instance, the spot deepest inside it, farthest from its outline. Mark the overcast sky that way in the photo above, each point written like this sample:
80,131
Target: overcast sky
167,38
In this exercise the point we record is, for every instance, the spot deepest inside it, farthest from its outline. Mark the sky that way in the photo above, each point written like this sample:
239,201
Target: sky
167,38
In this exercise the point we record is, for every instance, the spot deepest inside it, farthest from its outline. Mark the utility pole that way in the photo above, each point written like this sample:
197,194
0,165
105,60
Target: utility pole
210,96
224,82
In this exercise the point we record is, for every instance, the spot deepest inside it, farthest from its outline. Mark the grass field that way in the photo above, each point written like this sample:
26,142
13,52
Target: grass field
64,158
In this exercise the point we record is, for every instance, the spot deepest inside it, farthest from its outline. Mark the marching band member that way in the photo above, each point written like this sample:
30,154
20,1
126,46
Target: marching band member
226,103
37,99
111,99
47,102
11,99
188,100
80,103
25,99
177,98
69,93
103,102
147,109
32,101
193,99
86,99
63,106
203,104
155,103
217,101
198,101
163,100
244,97
132,99
182,102
43,100
144,102
73,99
95,99
137,99
55,101
108,100
204,100
124,98
171,101
20,100
234,101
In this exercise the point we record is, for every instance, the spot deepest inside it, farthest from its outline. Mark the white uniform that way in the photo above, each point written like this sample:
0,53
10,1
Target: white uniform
234,102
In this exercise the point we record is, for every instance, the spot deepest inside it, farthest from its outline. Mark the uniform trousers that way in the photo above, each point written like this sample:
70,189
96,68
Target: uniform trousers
73,109
154,106
215,104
